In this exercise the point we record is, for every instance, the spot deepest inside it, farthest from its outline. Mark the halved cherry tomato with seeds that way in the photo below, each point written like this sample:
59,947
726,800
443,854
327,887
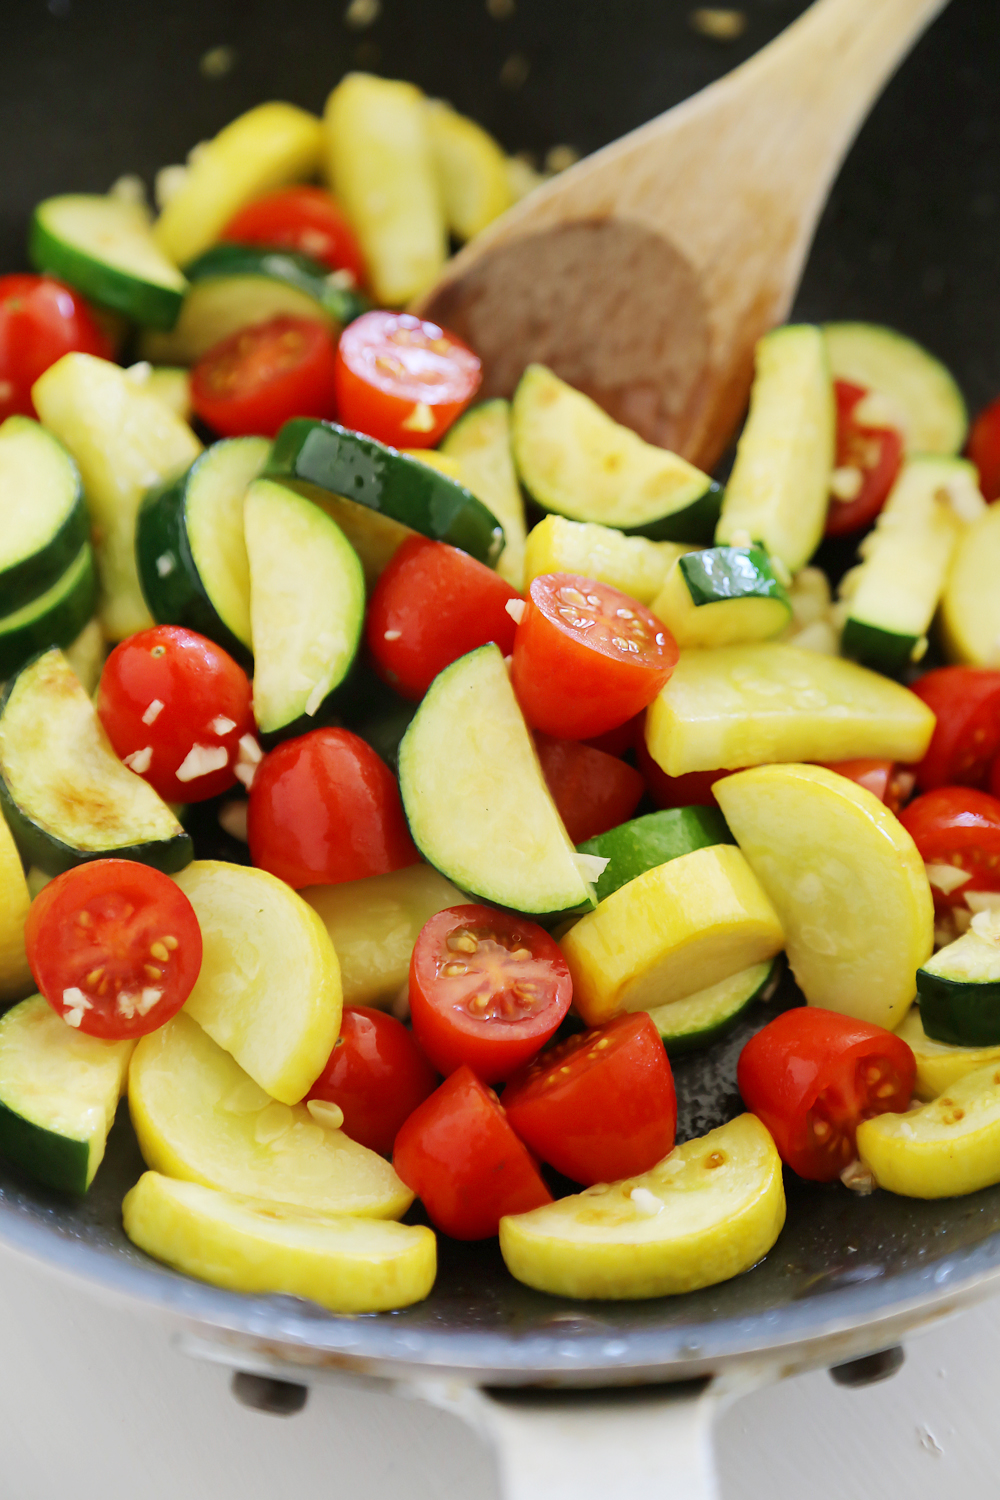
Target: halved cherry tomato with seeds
114,947
403,380
890,783
811,1076
376,1074
587,657
959,826
592,791
600,1106
458,1153
966,738
868,460
254,381
487,988
307,220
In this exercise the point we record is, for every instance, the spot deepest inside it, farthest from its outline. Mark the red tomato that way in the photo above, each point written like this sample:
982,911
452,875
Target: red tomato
995,778
692,790
114,947
402,380
431,605
984,449
593,791
955,825
812,1076
600,1106
377,1074
890,783
587,657
175,707
487,988
876,452
305,219
259,377
620,740
459,1155
40,320
325,808
966,739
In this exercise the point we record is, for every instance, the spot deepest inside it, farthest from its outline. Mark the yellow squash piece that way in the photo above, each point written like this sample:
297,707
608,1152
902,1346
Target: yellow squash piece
269,987
709,1210
750,705
970,606
168,383
633,564
940,1065
846,880
435,460
943,1149
672,931
471,170
15,976
124,440
348,1265
480,442
380,165
374,924
269,146
199,1117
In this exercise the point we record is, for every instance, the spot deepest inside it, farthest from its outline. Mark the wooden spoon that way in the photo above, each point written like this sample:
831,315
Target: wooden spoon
645,274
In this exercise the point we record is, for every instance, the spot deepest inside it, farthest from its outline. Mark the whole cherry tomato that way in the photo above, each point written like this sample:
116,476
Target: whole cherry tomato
305,219
377,1074
984,449
254,381
41,319
691,790
960,826
403,380
873,454
592,791
966,738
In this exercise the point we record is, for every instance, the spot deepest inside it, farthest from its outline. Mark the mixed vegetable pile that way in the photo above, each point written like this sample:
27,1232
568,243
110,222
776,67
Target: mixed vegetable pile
514,816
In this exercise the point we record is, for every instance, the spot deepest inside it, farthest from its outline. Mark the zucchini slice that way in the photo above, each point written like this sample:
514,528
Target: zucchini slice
345,1264
59,1090
15,898
959,988
894,592
105,248
379,496
779,489
576,460
475,796
480,441
55,618
307,606
970,606
43,519
64,792
471,170
640,845
939,1064
915,392
722,596
190,549
943,1149
633,564
704,1018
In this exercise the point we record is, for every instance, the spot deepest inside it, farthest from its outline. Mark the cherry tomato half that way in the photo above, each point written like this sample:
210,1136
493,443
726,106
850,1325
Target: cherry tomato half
377,1074
325,808
305,219
255,380
600,1106
430,606
402,380
175,707
487,988
114,947
691,790
890,783
811,1076
966,738
40,320
458,1153
984,449
586,657
592,791
873,453
960,826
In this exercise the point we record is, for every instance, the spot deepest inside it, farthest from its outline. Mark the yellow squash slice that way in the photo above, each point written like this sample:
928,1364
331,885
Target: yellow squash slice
940,1065
709,1210
944,1149
970,607
15,976
199,1117
471,170
674,930
748,705
846,880
633,564
348,1265
480,443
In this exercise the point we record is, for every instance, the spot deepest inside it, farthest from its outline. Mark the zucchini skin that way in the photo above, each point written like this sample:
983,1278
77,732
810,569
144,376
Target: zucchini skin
961,1012
54,1160
694,523
882,650
145,302
25,580
680,1044
233,259
58,626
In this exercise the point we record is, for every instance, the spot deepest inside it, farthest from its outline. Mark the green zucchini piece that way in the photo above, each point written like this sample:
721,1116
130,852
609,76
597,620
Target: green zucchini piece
480,440
915,392
43,519
59,1090
723,596
190,550
779,489
64,792
475,796
307,607
233,286
105,248
959,988
378,496
55,618
893,593
652,840
704,1018
576,460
